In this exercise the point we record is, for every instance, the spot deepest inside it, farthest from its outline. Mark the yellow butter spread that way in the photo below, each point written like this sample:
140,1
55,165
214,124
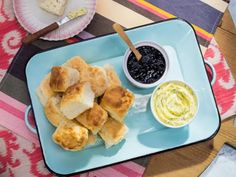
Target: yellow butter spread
175,103
76,13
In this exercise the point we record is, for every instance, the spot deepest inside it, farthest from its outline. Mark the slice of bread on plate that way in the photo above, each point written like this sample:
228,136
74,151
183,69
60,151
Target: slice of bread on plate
77,99
113,132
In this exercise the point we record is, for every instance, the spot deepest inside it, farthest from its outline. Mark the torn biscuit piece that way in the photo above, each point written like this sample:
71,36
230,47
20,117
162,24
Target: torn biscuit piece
70,135
63,77
53,112
93,119
44,91
94,74
77,99
117,101
113,78
56,7
113,132
98,80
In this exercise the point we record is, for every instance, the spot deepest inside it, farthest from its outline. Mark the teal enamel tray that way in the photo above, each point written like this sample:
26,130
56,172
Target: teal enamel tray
146,136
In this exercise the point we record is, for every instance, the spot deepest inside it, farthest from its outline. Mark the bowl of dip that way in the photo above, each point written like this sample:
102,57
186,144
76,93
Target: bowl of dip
174,104
150,70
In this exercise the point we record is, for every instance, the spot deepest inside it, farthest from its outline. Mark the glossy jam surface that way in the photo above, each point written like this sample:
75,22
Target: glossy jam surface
149,68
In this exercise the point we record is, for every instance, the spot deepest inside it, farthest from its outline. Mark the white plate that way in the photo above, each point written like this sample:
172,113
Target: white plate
33,18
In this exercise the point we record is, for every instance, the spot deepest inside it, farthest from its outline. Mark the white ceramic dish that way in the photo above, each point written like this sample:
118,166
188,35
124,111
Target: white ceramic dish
153,106
127,74
33,18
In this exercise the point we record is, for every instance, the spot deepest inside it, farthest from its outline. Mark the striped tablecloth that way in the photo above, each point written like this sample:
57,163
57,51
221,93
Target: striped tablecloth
20,153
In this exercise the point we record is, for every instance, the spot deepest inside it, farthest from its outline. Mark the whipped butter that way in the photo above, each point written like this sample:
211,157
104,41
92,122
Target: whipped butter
174,103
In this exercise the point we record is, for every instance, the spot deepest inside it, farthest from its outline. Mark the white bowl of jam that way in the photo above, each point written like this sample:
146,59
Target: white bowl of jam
174,104
151,69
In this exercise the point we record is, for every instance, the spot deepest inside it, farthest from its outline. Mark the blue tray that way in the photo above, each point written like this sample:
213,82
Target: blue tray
146,136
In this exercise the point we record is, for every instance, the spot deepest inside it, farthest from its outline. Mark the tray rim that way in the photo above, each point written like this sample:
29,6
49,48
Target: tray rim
142,156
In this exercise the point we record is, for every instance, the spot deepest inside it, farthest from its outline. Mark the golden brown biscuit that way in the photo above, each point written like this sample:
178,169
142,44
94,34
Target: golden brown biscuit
52,111
95,75
113,132
77,99
63,77
80,65
44,90
93,119
113,78
92,139
70,135
98,80
117,101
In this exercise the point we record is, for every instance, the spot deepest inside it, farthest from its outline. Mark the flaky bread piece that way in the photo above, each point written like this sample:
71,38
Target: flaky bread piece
70,135
53,112
93,119
44,90
98,80
113,132
92,139
80,65
56,7
63,77
117,102
95,75
77,99
113,78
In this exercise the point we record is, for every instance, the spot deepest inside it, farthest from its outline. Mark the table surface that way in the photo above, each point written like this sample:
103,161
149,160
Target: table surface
192,160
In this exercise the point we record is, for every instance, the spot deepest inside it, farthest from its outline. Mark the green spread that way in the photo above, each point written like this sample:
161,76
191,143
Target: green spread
174,103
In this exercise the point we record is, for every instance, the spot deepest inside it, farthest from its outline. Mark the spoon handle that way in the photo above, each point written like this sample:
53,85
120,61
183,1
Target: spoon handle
123,35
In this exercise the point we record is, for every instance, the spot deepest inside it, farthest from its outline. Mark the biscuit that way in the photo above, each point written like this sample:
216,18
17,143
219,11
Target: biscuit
63,77
93,119
93,74
52,111
80,65
113,78
98,80
92,139
117,102
70,135
77,99
44,91
113,132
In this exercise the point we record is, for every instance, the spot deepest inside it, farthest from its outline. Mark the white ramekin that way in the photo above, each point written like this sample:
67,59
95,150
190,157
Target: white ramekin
128,76
156,116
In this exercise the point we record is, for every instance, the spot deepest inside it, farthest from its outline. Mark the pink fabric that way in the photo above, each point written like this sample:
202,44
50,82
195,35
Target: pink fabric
19,157
225,86
11,34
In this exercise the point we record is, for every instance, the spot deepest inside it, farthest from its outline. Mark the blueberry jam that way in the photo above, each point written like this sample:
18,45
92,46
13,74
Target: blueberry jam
149,68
